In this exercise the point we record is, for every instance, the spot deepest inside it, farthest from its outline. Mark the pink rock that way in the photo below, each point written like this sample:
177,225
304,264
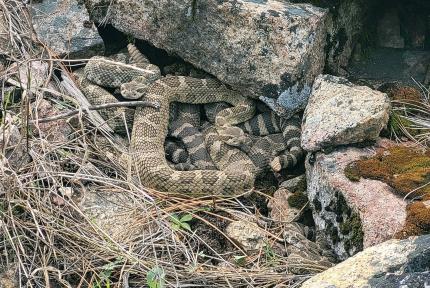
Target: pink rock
54,131
336,202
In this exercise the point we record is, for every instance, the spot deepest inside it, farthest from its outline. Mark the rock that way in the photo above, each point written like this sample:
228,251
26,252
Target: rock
280,209
403,280
288,201
406,169
386,65
416,63
374,267
247,234
289,102
304,256
341,113
53,131
415,24
262,47
351,215
388,30
295,184
37,72
114,213
65,27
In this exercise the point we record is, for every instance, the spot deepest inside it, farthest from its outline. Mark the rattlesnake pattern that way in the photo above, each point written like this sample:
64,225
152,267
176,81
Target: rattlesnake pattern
137,77
185,127
150,129
150,125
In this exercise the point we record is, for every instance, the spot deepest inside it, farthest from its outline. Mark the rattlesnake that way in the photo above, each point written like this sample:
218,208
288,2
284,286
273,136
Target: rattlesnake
150,127
274,151
148,138
150,124
285,147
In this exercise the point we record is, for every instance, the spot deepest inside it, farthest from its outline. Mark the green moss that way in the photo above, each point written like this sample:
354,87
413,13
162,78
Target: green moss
352,173
417,219
301,186
297,200
403,168
352,226
406,169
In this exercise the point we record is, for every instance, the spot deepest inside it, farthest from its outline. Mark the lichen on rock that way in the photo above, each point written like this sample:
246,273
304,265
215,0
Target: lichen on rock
351,215
341,113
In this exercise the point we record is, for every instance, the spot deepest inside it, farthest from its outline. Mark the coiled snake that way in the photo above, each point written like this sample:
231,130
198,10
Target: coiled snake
138,79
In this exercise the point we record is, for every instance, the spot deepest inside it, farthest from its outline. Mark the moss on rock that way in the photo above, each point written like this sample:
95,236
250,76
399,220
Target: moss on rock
353,227
297,200
407,170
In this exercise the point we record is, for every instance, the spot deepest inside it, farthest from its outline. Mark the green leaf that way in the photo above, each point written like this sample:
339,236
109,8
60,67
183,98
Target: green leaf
155,278
175,219
240,260
176,227
186,218
186,226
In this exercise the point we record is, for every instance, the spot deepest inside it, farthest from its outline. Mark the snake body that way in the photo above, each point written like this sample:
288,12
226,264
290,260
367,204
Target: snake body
137,77
150,130
185,127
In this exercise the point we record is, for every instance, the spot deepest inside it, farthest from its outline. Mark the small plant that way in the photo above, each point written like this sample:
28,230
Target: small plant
155,278
104,280
269,254
181,223
240,260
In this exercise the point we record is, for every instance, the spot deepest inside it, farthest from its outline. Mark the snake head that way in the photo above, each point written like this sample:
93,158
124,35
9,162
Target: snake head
234,136
138,87
133,91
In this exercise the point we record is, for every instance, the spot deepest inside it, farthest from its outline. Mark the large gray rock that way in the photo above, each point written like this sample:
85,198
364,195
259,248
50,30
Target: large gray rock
339,113
351,215
395,263
65,27
259,47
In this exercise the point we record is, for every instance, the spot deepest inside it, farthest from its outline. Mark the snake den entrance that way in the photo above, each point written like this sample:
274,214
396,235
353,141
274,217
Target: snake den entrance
230,148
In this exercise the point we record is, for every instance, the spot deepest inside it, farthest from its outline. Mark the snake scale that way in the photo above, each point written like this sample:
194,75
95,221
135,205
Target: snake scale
138,78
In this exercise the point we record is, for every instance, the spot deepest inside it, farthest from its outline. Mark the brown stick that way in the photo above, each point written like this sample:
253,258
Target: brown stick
99,107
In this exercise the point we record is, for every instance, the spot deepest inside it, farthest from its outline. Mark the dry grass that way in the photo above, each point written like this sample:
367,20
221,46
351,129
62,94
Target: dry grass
412,118
47,228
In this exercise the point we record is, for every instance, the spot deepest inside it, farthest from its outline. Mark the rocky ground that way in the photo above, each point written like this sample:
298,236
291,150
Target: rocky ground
355,212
